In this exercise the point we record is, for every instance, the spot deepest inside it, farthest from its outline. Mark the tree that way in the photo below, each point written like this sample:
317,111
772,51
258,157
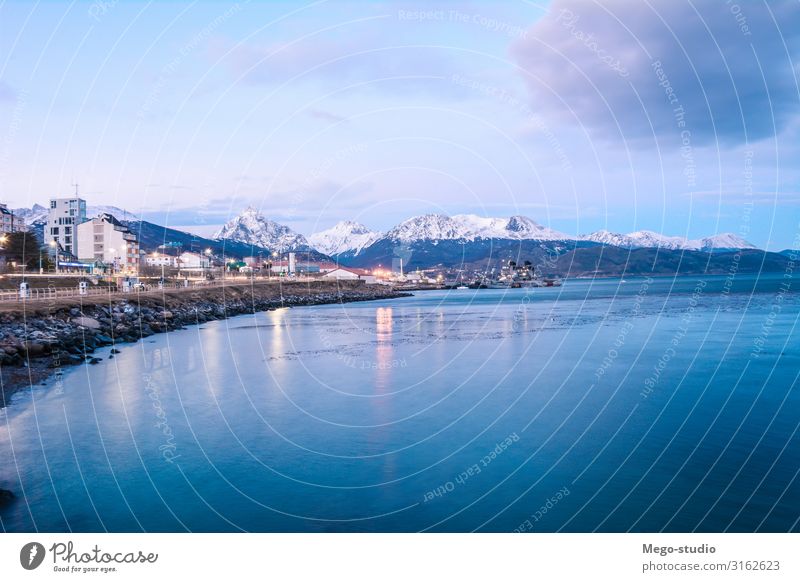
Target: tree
24,248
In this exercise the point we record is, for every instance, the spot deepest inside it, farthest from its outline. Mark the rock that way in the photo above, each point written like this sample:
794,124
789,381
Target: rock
94,361
114,351
167,315
103,339
34,350
89,322
6,496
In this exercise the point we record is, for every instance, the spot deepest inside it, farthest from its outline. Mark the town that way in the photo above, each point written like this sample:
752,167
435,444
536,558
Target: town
81,254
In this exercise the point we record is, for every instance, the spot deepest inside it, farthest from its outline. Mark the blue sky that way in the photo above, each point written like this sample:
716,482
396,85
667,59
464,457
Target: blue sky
669,116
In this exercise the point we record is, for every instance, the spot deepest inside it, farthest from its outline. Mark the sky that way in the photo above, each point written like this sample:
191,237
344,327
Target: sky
673,116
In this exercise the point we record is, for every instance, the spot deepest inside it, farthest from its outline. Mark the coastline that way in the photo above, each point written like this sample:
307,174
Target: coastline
39,339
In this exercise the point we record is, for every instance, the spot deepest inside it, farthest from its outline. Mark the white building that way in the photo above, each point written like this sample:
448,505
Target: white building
65,215
193,261
161,260
106,239
341,274
8,221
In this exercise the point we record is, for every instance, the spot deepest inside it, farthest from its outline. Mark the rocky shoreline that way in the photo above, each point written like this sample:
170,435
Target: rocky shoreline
38,339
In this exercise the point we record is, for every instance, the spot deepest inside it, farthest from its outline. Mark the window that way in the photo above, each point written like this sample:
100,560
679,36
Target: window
54,231
68,230
52,204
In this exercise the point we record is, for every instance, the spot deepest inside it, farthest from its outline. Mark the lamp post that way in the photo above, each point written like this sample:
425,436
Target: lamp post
155,256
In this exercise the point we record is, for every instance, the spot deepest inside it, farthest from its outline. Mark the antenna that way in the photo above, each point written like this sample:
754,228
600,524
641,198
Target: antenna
76,189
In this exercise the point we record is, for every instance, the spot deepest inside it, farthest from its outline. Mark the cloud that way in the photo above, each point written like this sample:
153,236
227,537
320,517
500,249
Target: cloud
630,70
380,62
325,116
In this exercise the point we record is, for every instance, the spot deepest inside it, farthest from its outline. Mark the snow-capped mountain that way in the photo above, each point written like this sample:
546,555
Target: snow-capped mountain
470,227
725,240
345,238
37,214
251,227
650,239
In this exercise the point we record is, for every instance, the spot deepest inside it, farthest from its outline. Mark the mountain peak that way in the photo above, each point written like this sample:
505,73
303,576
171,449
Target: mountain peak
347,238
252,228
651,239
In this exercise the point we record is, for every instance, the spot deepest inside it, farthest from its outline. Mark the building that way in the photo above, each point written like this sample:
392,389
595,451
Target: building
105,239
341,274
158,259
8,222
65,215
285,267
193,261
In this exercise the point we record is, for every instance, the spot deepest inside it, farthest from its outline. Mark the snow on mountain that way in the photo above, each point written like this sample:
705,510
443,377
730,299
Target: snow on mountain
471,227
346,237
252,228
37,214
426,227
523,228
725,240
650,239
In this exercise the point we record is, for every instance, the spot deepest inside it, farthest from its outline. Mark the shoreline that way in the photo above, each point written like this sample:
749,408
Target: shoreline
39,339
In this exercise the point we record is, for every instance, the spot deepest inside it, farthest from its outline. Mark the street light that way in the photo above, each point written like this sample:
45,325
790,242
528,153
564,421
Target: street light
155,256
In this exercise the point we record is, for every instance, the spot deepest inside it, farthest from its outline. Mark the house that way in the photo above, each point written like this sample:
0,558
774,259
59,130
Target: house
106,240
193,261
157,259
64,216
9,222
340,273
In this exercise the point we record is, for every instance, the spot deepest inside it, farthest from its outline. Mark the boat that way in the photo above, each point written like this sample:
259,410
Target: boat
462,287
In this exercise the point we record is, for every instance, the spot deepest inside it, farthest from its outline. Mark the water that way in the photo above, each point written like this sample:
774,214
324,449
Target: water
668,404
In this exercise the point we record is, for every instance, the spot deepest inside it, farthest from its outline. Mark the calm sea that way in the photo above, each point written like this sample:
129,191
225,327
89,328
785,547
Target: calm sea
606,405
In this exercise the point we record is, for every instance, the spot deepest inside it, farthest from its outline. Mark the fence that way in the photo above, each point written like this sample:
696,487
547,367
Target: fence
51,293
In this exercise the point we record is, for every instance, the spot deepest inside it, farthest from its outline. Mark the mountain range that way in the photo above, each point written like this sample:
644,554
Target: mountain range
349,239
463,241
